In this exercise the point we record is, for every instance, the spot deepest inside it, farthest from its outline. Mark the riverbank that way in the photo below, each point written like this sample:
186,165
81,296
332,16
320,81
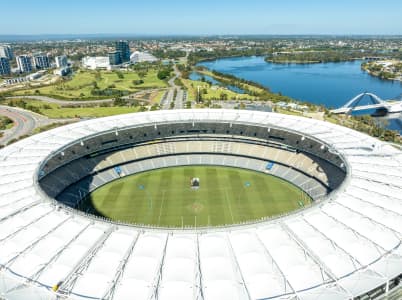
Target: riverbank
315,56
387,69
328,84
206,56
306,62
235,71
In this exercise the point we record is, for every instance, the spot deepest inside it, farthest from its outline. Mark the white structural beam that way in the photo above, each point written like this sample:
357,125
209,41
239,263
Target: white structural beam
324,268
68,282
110,290
270,258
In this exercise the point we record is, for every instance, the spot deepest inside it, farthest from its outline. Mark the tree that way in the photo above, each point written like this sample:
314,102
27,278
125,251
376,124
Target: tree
142,74
120,75
98,76
138,82
154,107
119,102
164,74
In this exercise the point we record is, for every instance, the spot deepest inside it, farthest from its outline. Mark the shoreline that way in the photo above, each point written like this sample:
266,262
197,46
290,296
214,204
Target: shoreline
307,62
276,62
376,75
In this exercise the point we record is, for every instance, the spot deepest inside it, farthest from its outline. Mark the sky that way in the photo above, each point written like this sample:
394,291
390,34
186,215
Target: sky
201,17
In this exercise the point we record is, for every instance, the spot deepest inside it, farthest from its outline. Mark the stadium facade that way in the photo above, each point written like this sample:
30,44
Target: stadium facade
345,246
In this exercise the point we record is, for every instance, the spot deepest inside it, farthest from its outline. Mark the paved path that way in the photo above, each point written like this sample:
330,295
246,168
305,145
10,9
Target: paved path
24,122
78,102
177,74
178,102
58,101
169,97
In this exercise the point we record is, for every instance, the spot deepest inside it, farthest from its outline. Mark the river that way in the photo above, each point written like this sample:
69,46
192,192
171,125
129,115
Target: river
328,84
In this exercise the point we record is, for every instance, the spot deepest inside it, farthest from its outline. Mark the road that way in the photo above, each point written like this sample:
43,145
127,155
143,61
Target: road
177,74
77,102
24,122
169,97
178,103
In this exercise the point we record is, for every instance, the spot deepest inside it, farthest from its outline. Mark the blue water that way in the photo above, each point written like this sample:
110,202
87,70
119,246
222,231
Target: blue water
198,76
329,84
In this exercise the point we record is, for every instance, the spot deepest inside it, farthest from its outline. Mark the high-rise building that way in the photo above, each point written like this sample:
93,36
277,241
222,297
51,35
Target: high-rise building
24,63
124,49
115,58
6,51
61,61
41,61
4,66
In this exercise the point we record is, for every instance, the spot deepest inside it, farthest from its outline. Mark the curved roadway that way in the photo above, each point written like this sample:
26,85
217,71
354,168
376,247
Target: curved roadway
24,122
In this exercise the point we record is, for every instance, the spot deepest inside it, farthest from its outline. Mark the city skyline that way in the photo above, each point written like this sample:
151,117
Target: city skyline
178,17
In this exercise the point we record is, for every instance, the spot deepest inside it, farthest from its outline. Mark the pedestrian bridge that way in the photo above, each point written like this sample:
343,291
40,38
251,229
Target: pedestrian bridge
376,103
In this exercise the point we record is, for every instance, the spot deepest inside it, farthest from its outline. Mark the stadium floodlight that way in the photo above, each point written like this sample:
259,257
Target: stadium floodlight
303,138
322,147
82,143
116,132
269,129
333,151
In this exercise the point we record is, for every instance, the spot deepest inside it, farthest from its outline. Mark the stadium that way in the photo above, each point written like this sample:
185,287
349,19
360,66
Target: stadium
335,232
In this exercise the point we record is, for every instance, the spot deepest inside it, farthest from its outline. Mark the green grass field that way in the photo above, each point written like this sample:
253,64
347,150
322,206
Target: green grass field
226,195
212,93
81,84
56,111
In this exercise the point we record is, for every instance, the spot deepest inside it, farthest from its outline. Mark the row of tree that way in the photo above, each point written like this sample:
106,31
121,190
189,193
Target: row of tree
205,55
315,56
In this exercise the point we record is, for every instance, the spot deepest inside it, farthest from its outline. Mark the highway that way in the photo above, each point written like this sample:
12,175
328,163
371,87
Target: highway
24,122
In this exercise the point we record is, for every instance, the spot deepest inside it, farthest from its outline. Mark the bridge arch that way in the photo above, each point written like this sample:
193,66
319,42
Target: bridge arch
356,100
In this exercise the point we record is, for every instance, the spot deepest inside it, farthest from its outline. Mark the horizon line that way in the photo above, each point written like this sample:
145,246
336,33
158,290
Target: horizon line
206,34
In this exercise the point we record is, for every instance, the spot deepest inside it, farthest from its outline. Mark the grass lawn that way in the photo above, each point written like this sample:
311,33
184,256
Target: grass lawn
244,86
213,93
6,123
226,195
56,111
153,97
82,83
87,112
157,97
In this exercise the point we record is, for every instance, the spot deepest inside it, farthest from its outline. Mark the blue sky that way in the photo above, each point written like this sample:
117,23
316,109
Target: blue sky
201,17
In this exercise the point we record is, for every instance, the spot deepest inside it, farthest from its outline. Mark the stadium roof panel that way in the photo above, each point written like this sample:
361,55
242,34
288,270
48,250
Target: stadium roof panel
345,246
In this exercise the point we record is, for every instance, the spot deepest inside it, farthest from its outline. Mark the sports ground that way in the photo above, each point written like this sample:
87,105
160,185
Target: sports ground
226,195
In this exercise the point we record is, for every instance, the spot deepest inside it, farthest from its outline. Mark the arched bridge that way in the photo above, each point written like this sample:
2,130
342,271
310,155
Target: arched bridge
376,103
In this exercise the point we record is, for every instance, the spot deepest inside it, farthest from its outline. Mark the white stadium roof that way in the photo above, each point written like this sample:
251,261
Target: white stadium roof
138,56
339,249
